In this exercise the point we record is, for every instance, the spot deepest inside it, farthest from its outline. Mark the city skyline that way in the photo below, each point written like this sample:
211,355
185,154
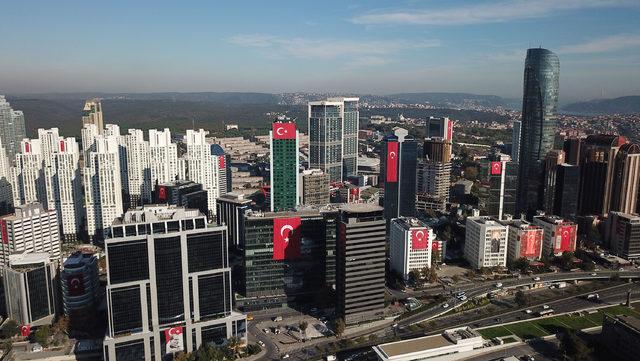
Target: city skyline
365,49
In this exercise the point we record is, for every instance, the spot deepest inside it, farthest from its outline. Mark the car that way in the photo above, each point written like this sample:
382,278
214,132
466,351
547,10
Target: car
460,294
265,330
499,284
498,319
528,358
261,343
446,305
593,274
536,278
462,298
545,307
620,269
277,319
285,356
528,312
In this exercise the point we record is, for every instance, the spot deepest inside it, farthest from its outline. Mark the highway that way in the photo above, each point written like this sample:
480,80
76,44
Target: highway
475,290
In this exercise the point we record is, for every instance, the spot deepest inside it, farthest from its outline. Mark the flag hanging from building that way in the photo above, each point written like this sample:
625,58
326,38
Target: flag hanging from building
284,130
392,161
496,168
75,285
419,239
286,238
173,338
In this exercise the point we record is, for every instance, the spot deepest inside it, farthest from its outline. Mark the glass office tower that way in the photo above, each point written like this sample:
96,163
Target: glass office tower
539,106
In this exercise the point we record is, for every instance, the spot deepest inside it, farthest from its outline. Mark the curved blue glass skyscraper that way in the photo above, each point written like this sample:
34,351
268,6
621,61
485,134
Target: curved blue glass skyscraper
539,106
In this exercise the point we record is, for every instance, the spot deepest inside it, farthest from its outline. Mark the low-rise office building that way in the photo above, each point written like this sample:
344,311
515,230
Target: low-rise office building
560,235
622,234
450,342
410,245
231,209
525,240
485,242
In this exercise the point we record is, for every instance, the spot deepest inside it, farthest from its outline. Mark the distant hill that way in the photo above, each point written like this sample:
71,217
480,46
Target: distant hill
213,97
622,105
460,100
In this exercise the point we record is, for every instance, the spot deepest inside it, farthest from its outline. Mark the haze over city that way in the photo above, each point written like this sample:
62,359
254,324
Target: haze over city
367,48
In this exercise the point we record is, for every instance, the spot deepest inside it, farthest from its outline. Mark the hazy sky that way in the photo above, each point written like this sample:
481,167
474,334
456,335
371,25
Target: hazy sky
281,46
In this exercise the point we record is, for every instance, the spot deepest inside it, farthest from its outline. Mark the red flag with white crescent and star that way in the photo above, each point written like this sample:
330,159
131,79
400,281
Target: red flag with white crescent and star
5,234
450,130
25,330
75,285
392,161
221,160
566,238
286,238
61,145
419,239
496,168
173,339
284,130
162,194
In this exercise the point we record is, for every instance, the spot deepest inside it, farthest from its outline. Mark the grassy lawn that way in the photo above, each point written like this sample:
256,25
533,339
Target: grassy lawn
509,340
527,330
492,332
553,325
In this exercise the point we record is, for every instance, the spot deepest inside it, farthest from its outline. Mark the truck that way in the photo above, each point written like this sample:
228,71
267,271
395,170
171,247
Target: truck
561,285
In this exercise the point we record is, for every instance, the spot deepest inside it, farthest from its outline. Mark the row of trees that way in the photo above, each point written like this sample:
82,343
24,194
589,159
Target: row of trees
229,351
424,275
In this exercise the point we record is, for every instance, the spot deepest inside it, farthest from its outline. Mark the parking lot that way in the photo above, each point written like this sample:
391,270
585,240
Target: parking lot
289,331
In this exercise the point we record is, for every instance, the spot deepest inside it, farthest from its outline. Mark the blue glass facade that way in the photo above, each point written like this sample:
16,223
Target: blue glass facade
539,108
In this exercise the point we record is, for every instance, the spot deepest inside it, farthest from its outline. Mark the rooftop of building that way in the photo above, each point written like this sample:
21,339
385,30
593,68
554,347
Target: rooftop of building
155,213
360,208
630,216
301,211
26,211
25,260
553,219
486,220
79,259
409,222
237,198
629,321
179,183
447,338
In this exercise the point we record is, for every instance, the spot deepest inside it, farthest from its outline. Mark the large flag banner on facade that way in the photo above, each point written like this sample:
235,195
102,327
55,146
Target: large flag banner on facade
496,168
286,238
221,162
450,130
392,161
284,130
75,284
566,240
173,338
162,194
419,239
5,234
530,243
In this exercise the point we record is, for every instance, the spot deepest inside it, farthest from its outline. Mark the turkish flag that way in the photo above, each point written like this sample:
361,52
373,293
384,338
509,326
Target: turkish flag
530,243
162,194
435,245
27,147
5,234
62,145
419,239
566,238
496,168
221,161
75,285
25,330
284,130
392,161
286,238
450,130
173,339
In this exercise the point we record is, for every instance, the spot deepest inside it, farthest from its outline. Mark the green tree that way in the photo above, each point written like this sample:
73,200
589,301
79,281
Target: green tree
430,274
521,264
9,329
253,349
42,335
340,326
303,327
233,347
566,261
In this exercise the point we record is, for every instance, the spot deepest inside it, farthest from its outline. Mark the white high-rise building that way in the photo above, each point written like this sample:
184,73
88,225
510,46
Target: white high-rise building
163,157
12,129
136,177
67,187
485,242
202,166
102,186
89,133
30,229
410,245
28,174
93,114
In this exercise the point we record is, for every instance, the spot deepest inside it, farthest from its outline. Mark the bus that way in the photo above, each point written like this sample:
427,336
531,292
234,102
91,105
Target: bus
546,312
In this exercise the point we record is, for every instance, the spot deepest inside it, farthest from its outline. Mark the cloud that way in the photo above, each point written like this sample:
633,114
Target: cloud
326,49
501,11
603,45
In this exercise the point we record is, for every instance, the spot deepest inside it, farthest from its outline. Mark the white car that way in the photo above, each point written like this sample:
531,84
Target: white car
528,312
536,278
498,285
462,298
286,355
446,305
261,343
593,274
545,307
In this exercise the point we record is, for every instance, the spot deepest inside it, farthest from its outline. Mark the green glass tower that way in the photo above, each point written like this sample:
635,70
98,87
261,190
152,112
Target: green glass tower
284,165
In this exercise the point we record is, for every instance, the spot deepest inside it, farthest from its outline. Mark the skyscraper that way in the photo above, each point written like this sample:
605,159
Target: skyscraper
333,136
92,114
622,234
567,191
398,172
597,169
163,156
434,174
439,127
102,186
314,185
168,285
204,167
552,161
284,165
502,179
626,179
136,173
12,128
6,193
28,174
360,263
539,106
